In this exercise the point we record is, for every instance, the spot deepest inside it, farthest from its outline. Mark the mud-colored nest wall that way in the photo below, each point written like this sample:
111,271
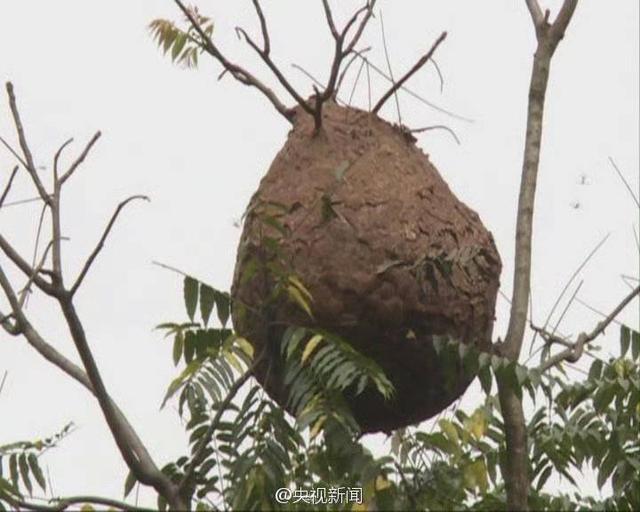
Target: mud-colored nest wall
389,254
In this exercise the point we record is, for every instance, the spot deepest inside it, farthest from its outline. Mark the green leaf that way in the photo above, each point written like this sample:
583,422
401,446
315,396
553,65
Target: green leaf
544,476
129,483
178,345
625,340
191,287
635,344
13,469
596,370
36,471
178,45
24,472
223,307
207,300
484,375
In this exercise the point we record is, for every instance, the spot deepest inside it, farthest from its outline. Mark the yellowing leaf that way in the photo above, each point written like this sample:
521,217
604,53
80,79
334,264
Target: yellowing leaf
449,430
477,424
233,360
382,483
296,296
317,426
311,345
359,507
294,280
245,346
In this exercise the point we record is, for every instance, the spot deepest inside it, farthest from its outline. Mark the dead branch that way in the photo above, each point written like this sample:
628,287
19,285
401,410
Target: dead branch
100,245
423,60
239,73
574,350
7,188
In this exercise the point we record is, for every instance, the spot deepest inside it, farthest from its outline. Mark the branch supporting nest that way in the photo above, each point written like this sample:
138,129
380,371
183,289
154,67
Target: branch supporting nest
239,73
421,62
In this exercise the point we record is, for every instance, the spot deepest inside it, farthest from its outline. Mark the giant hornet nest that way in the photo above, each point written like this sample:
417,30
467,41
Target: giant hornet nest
390,256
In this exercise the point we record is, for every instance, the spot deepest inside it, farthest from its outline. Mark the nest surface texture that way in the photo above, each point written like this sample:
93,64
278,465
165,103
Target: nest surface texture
389,254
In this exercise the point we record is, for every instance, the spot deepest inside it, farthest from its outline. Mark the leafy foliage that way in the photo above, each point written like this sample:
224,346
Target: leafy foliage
184,46
20,468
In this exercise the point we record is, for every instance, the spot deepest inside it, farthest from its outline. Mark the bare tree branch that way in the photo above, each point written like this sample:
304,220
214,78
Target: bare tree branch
536,12
412,93
437,127
28,157
7,188
100,245
274,69
238,72
266,42
80,159
60,504
26,268
574,351
517,463
423,60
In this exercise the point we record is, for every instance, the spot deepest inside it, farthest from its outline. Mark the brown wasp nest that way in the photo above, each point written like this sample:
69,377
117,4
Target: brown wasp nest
389,254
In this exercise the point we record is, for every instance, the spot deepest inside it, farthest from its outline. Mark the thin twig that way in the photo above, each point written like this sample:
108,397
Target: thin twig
594,310
566,308
346,69
4,379
100,244
572,354
437,127
439,71
266,42
24,266
80,159
28,157
7,188
408,75
624,180
414,94
393,89
568,284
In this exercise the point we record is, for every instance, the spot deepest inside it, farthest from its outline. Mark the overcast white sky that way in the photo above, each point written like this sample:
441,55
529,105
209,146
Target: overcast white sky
198,148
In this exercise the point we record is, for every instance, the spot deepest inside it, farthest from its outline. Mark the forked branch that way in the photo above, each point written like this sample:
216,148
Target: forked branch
239,73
